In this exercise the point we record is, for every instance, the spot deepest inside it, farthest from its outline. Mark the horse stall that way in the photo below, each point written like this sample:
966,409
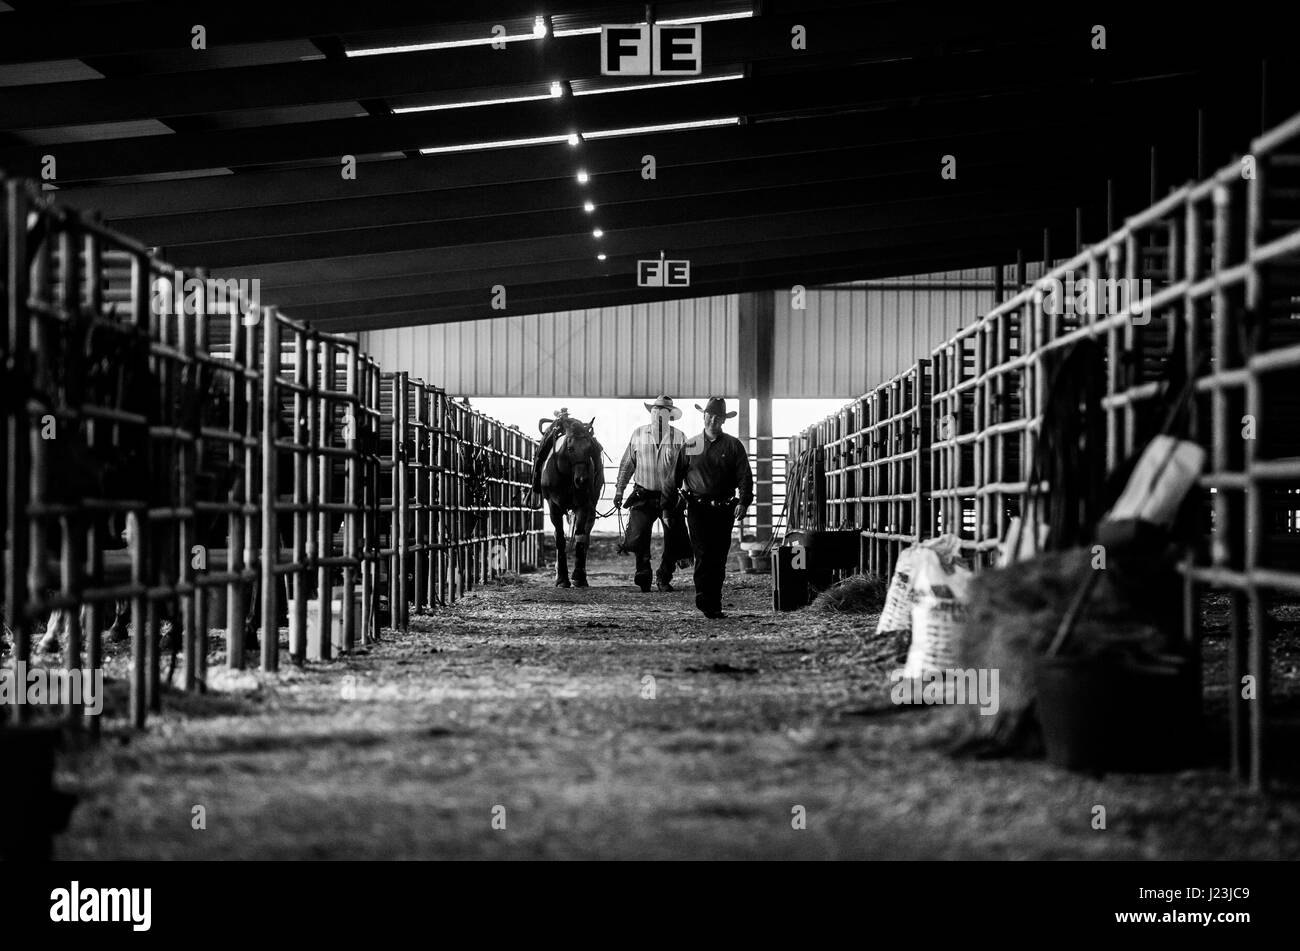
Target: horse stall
895,464
313,391
1199,330
178,464
103,443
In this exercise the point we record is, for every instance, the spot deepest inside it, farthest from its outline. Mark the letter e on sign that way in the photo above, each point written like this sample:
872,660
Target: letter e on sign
678,50
625,50
679,274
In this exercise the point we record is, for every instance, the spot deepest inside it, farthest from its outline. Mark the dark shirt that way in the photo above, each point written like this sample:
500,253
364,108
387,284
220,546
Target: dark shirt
716,470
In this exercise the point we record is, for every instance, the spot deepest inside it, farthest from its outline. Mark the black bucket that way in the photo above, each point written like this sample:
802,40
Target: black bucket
31,808
1102,714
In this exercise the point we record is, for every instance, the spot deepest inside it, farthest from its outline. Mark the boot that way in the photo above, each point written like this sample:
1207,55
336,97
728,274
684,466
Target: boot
643,572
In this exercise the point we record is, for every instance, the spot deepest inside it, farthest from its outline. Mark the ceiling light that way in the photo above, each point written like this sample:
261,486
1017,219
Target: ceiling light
583,30
469,103
498,144
600,257
744,15
583,177
598,233
557,90
539,27
671,82
670,127
444,45
588,207
573,138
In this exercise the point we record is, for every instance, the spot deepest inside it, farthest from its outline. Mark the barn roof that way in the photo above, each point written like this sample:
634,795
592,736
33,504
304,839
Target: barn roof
775,166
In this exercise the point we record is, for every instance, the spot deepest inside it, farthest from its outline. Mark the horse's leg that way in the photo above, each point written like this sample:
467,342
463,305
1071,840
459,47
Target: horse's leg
561,560
53,631
118,630
582,523
169,642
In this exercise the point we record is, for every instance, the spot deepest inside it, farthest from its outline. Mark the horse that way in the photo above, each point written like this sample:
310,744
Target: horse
572,481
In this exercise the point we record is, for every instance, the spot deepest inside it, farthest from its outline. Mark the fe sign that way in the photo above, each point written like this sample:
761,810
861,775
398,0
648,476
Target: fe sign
661,273
640,49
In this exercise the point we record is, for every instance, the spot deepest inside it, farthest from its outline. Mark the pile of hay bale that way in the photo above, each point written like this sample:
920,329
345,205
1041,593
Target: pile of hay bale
858,594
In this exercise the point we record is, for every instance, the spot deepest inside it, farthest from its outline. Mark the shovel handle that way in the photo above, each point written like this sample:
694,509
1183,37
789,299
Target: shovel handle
1072,614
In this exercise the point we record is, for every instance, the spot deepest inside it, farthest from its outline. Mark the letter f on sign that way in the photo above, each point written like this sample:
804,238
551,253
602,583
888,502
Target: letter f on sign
625,50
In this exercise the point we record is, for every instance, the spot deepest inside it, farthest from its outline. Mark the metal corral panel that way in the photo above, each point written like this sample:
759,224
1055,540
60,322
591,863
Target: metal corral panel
679,346
853,337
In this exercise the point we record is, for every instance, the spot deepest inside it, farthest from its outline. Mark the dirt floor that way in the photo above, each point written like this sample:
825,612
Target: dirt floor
530,706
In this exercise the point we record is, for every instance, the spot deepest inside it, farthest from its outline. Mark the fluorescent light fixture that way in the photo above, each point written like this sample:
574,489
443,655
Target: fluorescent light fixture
539,31
743,15
588,207
670,127
499,144
583,177
557,90
672,82
469,103
598,233
600,257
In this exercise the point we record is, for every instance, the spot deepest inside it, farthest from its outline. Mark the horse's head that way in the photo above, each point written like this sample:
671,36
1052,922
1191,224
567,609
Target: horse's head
579,451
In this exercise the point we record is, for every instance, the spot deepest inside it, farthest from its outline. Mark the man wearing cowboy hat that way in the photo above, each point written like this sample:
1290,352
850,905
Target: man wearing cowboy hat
713,472
648,463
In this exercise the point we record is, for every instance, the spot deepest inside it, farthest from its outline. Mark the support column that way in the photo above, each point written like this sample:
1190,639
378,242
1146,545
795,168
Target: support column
756,347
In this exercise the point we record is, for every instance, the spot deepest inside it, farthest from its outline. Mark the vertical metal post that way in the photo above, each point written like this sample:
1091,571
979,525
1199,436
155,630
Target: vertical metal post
185,524
370,490
235,496
352,521
142,528
311,499
70,555
323,495
301,466
93,537
1257,657
402,498
270,491
419,438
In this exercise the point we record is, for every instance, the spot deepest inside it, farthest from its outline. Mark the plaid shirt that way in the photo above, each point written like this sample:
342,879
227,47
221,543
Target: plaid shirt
647,462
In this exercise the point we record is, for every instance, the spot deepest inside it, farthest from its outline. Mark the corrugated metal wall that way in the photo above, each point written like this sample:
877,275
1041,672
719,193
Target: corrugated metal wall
685,346
852,337
848,339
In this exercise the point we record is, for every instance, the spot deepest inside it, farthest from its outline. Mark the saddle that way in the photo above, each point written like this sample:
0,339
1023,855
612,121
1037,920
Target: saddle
550,471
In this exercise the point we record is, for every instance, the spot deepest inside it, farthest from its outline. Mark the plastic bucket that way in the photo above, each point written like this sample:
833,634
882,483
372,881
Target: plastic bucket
1108,715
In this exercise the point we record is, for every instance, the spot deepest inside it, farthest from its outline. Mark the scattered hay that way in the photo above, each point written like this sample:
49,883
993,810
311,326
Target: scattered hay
1014,612
859,594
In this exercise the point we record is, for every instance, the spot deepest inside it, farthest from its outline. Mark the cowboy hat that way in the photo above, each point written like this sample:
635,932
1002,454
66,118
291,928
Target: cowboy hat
716,406
664,402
